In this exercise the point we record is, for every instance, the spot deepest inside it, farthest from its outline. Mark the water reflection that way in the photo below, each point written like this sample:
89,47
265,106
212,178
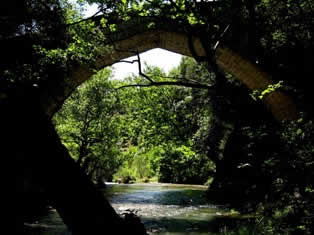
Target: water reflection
165,208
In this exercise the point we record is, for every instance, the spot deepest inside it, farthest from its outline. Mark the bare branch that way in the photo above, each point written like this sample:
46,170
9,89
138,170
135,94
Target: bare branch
189,82
221,37
85,19
140,69
127,61
192,84
169,83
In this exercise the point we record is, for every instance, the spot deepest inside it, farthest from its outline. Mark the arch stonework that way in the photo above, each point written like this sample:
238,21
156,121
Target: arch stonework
280,105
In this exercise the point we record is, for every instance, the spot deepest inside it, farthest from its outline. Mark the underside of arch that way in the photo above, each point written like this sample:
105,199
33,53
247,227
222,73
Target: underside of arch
280,105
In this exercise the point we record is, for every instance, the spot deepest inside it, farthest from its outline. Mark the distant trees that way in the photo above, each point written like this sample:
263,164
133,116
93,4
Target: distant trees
86,125
139,132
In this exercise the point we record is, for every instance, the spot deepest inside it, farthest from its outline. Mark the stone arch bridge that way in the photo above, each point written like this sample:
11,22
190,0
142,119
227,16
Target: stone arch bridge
138,36
40,157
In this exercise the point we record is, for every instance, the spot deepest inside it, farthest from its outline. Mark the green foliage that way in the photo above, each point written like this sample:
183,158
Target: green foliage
136,134
260,94
86,125
136,166
128,132
278,162
161,122
182,165
288,207
296,205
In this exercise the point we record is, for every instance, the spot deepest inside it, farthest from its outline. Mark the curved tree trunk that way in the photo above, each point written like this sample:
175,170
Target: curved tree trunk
42,160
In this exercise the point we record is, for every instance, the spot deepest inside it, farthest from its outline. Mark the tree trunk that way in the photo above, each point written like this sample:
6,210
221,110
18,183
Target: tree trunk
41,158
82,153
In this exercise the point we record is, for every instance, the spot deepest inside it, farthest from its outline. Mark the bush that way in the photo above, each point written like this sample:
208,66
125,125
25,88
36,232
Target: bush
291,205
182,165
136,166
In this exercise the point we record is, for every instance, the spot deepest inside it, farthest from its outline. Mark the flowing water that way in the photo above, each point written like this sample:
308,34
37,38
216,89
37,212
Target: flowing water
163,208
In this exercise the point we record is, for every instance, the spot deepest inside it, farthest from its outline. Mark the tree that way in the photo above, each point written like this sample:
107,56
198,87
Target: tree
87,128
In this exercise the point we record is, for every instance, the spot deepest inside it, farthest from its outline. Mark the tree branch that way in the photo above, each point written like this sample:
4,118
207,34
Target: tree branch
151,83
169,83
126,61
86,19
140,69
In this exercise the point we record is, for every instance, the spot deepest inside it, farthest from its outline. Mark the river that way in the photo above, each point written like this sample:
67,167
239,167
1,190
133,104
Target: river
170,209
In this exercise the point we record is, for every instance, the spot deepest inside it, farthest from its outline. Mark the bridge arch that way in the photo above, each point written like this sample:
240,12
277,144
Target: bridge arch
280,105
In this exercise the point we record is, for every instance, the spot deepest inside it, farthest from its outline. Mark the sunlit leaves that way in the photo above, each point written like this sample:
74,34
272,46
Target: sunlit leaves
260,94
87,122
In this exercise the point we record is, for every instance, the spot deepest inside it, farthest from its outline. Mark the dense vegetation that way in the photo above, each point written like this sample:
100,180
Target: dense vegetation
128,133
212,130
